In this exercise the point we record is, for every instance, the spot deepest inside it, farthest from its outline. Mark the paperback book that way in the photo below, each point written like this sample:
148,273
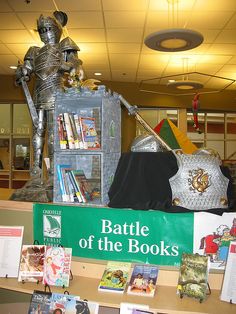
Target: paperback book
115,276
40,302
89,133
228,292
193,276
32,263
128,308
143,280
10,250
63,303
57,266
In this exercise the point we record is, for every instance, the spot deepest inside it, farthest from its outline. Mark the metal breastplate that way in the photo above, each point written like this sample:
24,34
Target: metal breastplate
48,77
199,183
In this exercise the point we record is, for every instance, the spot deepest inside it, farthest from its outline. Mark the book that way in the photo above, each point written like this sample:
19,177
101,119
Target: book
69,131
115,276
89,133
193,276
78,129
63,303
143,280
83,306
40,302
57,266
62,182
10,250
228,291
32,263
82,184
128,308
62,132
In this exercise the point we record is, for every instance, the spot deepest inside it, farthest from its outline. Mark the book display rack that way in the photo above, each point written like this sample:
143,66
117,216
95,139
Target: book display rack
99,131
87,274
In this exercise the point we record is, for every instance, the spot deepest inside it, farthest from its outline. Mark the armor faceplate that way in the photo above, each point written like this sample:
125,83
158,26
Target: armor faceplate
199,183
68,44
49,29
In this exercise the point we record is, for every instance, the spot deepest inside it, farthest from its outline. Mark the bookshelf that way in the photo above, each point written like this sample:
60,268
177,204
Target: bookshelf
98,164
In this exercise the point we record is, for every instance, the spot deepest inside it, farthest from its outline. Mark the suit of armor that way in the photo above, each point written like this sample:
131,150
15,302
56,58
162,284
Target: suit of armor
48,64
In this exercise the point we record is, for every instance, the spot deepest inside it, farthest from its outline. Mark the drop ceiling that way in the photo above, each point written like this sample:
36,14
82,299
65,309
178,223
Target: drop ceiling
111,36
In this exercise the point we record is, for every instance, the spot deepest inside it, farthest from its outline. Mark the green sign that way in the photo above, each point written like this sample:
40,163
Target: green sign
138,236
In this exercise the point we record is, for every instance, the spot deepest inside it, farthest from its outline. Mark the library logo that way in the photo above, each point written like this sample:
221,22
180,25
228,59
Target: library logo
52,226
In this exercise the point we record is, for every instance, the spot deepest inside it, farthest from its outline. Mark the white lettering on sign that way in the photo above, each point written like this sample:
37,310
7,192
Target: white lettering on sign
133,229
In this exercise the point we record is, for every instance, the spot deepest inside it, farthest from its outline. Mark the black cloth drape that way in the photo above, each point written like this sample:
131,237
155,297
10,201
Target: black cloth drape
141,181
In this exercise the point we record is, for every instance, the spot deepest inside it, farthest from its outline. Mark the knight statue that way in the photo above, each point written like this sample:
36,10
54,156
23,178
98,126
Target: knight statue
48,64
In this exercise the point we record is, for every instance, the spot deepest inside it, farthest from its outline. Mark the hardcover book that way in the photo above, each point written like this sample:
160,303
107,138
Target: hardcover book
115,276
143,280
82,184
40,302
57,266
81,306
32,263
193,276
63,303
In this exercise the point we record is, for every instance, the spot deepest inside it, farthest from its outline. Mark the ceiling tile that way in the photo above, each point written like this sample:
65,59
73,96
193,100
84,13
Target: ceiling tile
22,6
16,36
215,20
81,5
30,19
124,19
4,6
123,47
226,37
215,5
87,35
222,49
4,49
87,19
92,48
123,61
19,48
124,5
124,35
15,23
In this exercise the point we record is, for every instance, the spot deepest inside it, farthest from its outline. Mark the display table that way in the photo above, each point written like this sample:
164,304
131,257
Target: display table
142,182
87,273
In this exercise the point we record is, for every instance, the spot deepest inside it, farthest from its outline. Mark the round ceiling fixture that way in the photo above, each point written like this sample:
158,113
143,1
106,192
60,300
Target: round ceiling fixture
185,85
172,40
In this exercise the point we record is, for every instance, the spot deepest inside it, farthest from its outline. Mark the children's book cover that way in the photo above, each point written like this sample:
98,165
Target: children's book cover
40,302
115,276
89,133
193,276
57,266
32,263
76,306
143,280
62,303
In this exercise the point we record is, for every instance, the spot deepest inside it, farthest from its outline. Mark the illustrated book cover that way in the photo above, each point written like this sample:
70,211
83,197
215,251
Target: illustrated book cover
40,302
57,266
81,306
128,308
193,276
10,250
32,263
228,292
89,133
63,303
115,276
143,280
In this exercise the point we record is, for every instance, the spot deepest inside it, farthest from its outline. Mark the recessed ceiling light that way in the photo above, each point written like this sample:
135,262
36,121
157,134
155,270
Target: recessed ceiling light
13,67
98,73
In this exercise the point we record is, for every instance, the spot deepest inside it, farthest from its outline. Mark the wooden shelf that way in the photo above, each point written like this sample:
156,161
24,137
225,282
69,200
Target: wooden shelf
165,301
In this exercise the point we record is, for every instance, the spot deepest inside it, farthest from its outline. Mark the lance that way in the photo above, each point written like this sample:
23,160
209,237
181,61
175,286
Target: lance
133,110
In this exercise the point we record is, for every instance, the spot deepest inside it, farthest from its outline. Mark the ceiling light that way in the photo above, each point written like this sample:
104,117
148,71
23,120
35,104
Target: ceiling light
185,85
13,67
98,73
174,38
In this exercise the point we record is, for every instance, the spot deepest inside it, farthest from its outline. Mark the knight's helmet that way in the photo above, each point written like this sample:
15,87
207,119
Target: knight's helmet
50,28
